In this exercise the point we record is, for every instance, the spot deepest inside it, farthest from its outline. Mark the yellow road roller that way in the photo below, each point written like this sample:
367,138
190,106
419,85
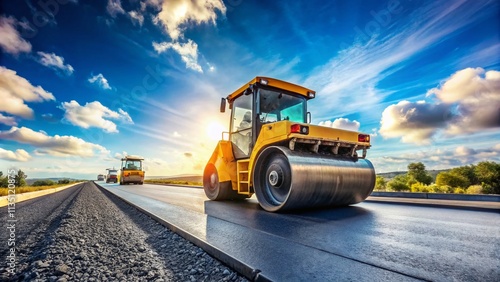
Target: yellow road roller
131,170
274,152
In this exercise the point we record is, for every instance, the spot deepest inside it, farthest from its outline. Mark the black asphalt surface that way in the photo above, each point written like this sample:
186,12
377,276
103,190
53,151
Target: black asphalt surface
371,241
35,219
84,234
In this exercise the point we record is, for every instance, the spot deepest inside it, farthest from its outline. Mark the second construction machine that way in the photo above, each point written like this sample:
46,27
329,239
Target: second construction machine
274,152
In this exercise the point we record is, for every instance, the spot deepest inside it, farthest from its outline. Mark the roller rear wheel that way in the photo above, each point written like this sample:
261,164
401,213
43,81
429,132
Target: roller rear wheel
216,190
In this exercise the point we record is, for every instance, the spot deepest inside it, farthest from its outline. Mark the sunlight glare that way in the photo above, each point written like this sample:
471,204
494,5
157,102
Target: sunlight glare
214,130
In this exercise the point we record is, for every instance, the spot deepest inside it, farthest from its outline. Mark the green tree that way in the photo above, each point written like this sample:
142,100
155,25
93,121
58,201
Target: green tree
434,188
417,173
488,174
46,182
20,179
450,179
399,183
63,181
474,189
419,187
380,183
468,172
3,181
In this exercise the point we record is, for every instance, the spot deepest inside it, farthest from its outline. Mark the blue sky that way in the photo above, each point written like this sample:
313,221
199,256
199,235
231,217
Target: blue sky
84,82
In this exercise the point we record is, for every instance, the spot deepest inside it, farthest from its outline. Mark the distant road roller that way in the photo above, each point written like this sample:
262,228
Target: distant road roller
131,170
274,152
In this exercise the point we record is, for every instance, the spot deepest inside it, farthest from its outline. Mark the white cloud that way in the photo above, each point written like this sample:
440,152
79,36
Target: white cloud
7,120
362,64
10,39
121,155
476,93
19,155
414,122
136,17
114,8
439,158
342,123
211,67
176,15
156,4
15,90
55,62
94,114
188,52
469,102
101,81
52,145
464,151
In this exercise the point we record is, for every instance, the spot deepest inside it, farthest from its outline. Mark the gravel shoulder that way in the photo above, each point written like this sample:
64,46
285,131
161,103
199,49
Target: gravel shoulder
86,234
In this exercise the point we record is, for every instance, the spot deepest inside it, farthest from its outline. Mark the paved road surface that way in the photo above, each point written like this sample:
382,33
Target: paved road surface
83,234
369,241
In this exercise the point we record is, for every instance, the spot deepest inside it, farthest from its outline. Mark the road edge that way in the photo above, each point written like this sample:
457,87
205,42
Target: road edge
409,195
4,200
242,268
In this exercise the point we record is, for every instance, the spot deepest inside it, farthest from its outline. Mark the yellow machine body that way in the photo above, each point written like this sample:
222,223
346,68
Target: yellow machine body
132,170
290,164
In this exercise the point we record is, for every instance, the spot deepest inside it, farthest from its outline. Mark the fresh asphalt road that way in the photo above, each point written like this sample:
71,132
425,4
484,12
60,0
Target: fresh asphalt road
369,241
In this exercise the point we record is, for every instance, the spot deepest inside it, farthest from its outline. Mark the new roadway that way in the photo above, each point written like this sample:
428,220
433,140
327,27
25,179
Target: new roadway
370,241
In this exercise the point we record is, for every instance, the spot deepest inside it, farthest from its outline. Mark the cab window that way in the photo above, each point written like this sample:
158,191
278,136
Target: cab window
241,126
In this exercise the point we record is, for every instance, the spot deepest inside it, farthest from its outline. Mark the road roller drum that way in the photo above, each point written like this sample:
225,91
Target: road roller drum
286,179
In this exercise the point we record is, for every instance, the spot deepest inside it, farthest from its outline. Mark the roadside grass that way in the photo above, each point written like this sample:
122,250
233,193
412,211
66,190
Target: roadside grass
26,189
173,181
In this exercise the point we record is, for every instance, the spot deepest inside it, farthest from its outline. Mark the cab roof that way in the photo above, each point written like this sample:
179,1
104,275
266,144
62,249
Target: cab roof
136,158
280,84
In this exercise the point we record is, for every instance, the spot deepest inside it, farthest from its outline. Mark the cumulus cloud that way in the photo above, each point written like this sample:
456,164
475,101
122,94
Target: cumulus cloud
468,102
55,62
441,158
476,93
188,52
115,8
94,114
101,81
121,155
52,145
175,15
19,155
364,63
15,90
10,40
342,123
7,120
414,122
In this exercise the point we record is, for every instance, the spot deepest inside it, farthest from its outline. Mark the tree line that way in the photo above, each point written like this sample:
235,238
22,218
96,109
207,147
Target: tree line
20,180
483,178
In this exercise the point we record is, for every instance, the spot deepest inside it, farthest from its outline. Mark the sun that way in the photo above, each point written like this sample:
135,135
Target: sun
214,130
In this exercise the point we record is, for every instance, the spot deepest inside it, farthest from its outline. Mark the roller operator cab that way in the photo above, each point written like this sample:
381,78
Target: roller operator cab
274,152
132,170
